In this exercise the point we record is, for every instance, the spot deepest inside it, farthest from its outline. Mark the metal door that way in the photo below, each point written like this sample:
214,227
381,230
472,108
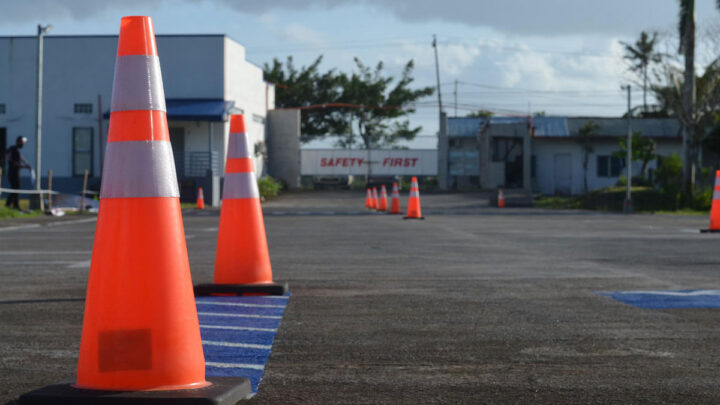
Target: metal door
563,174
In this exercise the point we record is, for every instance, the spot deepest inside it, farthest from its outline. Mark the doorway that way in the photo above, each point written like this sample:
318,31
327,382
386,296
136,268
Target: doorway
3,147
562,174
177,140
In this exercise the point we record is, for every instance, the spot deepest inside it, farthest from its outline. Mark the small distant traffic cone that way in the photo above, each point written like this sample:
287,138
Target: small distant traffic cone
376,199
413,209
395,200
383,199
368,200
501,199
140,337
715,207
242,260
200,204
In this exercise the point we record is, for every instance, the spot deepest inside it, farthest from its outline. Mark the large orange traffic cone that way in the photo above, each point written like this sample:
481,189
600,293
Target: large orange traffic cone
383,199
395,200
501,199
413,209
242,261
715,207
376,199
368,199
200,204
140,337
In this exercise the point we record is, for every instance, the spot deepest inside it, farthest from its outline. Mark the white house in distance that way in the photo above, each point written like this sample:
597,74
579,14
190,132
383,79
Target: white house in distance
206,78
542,154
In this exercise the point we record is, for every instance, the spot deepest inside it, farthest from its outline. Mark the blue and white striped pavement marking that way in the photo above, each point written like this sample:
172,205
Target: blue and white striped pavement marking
667,299
238,333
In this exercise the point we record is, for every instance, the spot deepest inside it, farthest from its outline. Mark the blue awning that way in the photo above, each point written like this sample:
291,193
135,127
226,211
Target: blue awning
189,109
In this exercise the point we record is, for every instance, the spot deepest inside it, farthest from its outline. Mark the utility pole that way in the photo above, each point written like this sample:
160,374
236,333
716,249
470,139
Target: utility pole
437,72
627,207
41,31
456,83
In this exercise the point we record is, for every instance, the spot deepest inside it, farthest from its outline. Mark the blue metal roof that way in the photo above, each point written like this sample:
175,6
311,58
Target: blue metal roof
468,127
197,109
550,126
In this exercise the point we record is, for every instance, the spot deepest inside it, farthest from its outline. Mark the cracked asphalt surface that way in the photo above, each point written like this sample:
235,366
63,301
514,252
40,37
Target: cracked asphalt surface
472,305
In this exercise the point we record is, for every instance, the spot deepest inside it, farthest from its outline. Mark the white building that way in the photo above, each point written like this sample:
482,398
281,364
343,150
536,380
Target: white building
542,154
206,78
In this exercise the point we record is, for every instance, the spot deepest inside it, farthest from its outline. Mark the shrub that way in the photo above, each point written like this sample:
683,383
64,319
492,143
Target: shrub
269,187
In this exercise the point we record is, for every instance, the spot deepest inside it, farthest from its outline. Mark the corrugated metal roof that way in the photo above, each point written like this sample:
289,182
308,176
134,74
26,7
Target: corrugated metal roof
468,127
652,127
550,126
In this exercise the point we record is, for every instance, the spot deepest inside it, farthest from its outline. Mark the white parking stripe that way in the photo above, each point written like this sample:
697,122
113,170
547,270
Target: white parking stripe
235,365
239,315
247,328
231,344
240,304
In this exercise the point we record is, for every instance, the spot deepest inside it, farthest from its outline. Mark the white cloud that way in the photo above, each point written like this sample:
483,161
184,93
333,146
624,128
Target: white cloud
302,34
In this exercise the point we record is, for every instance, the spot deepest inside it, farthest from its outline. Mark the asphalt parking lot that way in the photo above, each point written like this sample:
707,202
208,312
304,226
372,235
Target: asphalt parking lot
472,305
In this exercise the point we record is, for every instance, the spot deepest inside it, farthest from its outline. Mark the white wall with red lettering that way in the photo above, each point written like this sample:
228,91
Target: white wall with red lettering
383,162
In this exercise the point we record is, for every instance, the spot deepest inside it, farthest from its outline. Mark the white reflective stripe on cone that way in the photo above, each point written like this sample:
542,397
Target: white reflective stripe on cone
717,181
414,193
137,84
716,194
240,185
238,146
139,169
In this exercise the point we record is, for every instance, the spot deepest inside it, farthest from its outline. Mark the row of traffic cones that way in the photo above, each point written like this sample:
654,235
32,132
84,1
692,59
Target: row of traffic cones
141,336
380,203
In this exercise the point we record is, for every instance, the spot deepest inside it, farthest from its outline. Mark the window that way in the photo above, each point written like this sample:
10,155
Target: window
82,151
609,166
83,108
533,166
259,118
2,108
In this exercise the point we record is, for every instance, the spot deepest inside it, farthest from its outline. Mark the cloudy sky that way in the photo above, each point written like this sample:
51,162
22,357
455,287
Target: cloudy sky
512,56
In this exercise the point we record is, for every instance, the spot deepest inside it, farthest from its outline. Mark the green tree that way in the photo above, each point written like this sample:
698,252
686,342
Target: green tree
376,106
643,150
641,56
584,138
481,114
306,87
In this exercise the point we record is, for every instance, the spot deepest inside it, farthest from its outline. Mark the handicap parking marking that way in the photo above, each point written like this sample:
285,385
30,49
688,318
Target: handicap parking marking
667,299
238,334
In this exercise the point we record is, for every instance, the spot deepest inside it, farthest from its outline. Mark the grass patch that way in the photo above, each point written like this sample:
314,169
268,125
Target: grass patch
557,202
645,199
7,212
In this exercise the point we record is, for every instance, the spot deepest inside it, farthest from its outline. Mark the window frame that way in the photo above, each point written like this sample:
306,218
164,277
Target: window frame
90,152
79,107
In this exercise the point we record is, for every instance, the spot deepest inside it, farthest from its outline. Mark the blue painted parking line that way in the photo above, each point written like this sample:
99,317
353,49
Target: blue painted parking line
238,333
667,299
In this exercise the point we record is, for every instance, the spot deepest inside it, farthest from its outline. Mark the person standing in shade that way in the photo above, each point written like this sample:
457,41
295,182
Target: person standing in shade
16,161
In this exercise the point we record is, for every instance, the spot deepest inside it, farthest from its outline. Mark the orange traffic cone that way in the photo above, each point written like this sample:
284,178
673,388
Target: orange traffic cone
200,204
501,199
715,207
395,200
413,209
242,261
140,337
376,199
368,199
383,199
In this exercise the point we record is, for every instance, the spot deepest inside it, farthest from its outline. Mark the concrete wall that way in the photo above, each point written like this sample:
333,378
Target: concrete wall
545,150
245,85
284,146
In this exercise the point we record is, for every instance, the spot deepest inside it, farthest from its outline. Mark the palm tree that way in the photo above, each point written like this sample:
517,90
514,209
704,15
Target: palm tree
640,56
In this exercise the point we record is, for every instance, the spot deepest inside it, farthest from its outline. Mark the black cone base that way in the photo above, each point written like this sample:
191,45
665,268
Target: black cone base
709,230
413,217
241,289
222,391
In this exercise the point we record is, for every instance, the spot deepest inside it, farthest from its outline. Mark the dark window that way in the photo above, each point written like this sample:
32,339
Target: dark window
533,166
2,108
602,166
82,150
609,166
83,108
